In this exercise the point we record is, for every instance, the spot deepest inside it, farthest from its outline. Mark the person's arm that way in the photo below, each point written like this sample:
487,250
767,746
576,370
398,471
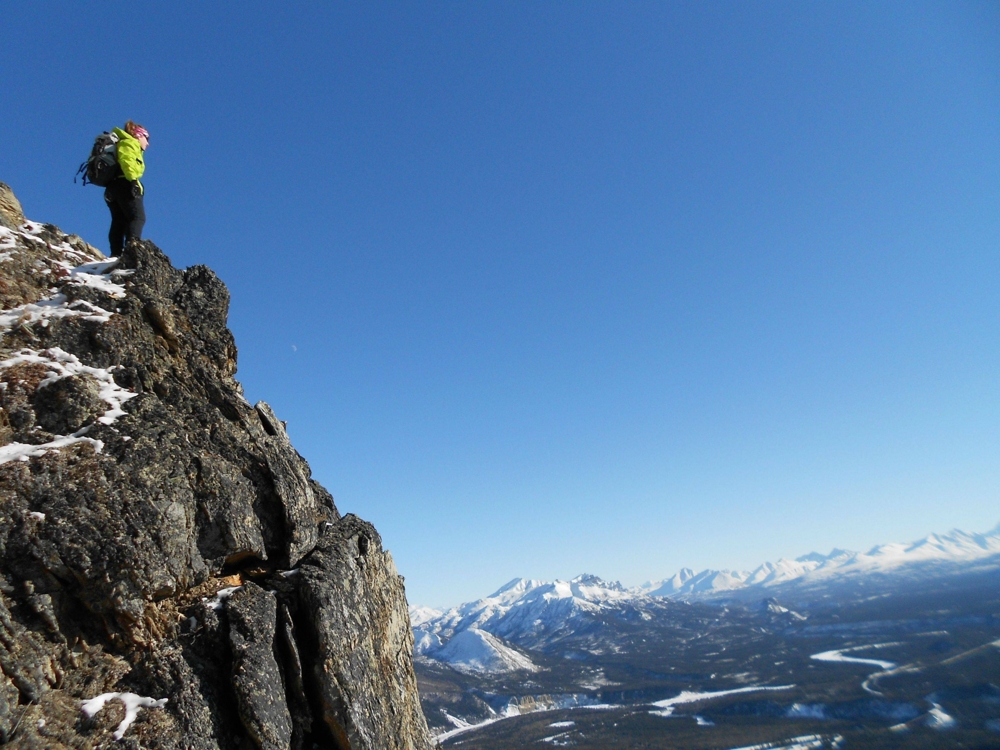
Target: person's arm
130,159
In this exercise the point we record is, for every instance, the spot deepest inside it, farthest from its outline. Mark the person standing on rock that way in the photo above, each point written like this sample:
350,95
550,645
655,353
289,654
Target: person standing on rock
124,194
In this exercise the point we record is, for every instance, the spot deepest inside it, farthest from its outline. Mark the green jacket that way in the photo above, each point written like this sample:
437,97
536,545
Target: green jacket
130,157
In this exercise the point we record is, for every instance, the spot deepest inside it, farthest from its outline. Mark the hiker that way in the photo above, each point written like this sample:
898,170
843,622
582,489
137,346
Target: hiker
124,193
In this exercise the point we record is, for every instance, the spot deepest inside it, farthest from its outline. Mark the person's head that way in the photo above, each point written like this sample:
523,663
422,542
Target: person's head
138,132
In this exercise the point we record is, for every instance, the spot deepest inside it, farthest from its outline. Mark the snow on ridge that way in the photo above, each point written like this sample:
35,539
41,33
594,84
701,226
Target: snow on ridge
62,364
955,546
425,643
688,583
7,238
419,615
24,451
98,275
217,602
523,605
521,610
45,311
75,268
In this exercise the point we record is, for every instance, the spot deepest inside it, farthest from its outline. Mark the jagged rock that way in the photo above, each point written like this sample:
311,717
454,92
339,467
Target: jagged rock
355,607
232,531
24,659
8,707
11,215
260,693
136,482
298,699
302,512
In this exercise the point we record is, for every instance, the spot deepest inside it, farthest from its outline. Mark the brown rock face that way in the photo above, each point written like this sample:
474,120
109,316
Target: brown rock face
161,538
11,215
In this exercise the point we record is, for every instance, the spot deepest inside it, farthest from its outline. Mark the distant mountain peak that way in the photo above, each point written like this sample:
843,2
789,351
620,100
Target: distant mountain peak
514,585
476,651
589,579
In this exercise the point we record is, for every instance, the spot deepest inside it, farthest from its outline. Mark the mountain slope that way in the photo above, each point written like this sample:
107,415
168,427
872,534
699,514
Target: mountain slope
475,651
164,551
528,611
536,616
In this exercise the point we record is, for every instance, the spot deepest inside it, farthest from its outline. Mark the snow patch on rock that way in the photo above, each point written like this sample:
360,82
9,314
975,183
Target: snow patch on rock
132,704
61,364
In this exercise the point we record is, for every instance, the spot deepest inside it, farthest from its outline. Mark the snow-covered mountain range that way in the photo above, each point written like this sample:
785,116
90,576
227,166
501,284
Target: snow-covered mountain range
491,635
525,614
920,556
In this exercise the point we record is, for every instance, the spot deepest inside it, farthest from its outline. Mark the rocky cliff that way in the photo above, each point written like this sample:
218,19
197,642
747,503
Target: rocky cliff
170,574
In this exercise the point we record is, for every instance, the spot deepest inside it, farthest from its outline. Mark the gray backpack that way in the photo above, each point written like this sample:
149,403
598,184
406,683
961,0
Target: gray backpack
102,165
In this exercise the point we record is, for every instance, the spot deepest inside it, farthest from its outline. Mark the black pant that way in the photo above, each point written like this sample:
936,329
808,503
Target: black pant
128,215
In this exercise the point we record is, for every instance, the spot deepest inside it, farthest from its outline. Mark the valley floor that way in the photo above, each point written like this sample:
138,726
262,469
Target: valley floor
915,667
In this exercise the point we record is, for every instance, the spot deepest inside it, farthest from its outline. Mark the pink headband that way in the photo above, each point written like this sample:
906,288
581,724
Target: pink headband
140,132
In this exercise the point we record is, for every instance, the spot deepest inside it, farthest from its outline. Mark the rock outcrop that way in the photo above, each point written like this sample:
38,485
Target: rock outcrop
11,215
161,538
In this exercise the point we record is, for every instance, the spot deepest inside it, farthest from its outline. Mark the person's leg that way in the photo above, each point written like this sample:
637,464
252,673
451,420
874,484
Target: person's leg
136,214
119,220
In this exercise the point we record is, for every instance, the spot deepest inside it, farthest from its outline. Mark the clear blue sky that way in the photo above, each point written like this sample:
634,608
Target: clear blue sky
553,287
